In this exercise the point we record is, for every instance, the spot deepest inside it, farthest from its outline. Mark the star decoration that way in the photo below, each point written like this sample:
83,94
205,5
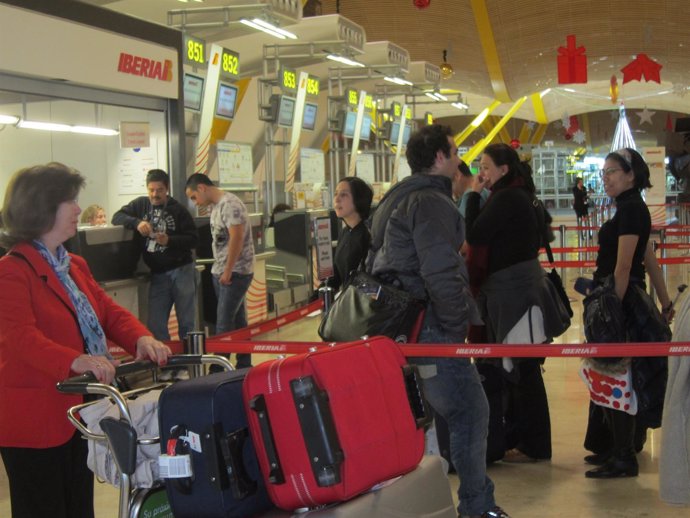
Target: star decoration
680,89
565,120
579,136
614,115
531,125
646,116
641,67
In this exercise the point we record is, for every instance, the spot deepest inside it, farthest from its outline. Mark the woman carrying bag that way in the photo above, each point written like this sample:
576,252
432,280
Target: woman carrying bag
619,297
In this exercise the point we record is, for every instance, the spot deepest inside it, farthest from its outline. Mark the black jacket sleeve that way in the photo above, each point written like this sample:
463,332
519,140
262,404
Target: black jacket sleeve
187,237
130,215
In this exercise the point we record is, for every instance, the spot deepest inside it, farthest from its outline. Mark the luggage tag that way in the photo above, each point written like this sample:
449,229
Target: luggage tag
173,465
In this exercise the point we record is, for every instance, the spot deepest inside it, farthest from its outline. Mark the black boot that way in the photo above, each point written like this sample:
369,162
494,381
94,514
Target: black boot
623,462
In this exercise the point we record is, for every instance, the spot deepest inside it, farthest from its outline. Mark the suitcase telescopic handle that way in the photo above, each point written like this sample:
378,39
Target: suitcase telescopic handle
318,429
415,395
275,470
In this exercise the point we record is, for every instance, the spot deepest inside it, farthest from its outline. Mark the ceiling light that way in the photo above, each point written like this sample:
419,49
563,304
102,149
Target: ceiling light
436,96
52,126
90,130
398,81
8,119
268,28
544,92
344,60
459,105
47,126
570,90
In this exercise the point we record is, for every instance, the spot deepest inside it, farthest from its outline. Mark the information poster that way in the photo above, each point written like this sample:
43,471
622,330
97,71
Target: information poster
365,167
312,166
132,166
235,166
324,248
656,196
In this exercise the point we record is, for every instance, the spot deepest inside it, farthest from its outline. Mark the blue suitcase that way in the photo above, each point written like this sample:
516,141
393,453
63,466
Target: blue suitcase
204,418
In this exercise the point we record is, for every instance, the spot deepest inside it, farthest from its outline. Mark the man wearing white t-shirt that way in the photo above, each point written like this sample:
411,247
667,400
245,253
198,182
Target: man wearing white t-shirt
233,253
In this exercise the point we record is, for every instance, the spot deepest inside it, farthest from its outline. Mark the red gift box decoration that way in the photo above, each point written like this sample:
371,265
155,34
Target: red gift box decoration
572,63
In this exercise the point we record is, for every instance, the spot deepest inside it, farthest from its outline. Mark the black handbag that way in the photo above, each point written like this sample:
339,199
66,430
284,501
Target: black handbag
555,279
604,319
369,307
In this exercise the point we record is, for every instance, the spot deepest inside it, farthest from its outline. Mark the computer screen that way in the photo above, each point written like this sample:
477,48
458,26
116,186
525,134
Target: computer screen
193,91
286,111
349,124
227,101
365,133
309,120
395,131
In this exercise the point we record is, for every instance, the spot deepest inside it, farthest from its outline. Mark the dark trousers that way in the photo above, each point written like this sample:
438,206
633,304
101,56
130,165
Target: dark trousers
50,482
527,419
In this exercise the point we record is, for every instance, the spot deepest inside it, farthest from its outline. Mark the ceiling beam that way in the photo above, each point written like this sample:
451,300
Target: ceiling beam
486,37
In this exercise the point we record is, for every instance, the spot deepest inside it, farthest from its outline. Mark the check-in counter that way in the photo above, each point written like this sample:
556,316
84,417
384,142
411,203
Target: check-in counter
291,273
112,253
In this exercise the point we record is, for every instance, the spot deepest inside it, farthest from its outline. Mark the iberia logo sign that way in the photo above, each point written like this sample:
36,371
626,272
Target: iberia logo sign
139,66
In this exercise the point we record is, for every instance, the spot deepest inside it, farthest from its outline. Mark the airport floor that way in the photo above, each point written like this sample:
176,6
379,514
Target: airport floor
546,489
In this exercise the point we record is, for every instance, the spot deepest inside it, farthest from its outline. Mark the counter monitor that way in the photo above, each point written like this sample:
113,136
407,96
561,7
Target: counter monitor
227,101
309,120
193,92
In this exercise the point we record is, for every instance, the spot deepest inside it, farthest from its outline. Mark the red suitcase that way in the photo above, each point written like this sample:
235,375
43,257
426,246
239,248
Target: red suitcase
330,424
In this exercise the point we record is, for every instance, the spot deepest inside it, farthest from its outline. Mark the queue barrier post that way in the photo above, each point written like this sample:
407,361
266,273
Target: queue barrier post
195,343
562,230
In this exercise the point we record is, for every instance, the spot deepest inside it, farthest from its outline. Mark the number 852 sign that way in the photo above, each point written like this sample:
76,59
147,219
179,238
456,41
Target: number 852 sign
230,64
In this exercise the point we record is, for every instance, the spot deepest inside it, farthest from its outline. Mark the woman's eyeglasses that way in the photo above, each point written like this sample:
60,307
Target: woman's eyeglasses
609,171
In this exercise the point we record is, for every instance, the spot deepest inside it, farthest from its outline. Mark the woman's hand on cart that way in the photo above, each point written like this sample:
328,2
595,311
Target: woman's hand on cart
101,367
148,348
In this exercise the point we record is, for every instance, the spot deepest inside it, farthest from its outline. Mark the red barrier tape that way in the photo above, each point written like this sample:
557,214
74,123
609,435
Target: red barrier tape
469,350
255,329
568,264
572,249
673,246
674,260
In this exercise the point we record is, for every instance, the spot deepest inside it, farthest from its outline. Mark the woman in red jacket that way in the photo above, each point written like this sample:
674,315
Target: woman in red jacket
54,321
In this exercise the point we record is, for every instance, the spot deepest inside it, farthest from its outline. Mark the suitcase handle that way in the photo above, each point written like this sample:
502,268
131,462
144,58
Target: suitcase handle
318,429
275,474
415,395
224,461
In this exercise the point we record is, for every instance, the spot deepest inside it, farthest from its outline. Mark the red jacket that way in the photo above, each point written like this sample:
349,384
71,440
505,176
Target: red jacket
39,340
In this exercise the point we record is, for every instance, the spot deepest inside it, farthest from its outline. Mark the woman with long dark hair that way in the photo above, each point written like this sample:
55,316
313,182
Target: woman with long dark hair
514,296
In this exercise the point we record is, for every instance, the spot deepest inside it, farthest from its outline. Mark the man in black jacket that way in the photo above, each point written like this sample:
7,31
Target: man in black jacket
168,235
416,236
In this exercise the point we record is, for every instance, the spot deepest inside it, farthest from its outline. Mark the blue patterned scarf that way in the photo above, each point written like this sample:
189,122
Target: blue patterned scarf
91,329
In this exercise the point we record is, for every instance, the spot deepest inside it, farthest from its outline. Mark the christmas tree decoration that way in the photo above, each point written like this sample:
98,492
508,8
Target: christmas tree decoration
572,62
645,116
579,136
613,89
669,122
623,136
641,67
421,4
446,68
515,143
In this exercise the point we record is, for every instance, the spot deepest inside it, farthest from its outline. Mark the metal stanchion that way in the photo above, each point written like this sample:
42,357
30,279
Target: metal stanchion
195,343
562,230
662,239
326,294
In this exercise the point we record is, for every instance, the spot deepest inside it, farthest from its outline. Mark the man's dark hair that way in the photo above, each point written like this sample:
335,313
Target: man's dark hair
158,175
32,198
424,144
198,179
464,169
362,195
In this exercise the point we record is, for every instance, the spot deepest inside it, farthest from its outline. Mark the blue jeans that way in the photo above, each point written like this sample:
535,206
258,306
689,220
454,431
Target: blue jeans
453,388
176,287
231,313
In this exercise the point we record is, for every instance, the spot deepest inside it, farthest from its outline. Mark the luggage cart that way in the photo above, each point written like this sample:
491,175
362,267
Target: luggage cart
120,434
